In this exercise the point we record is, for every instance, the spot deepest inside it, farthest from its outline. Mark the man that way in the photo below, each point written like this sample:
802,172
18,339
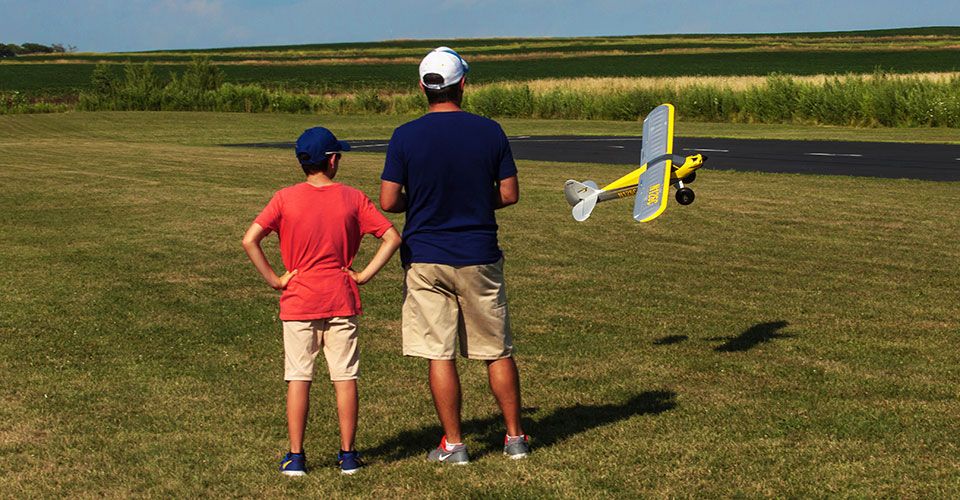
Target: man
449,170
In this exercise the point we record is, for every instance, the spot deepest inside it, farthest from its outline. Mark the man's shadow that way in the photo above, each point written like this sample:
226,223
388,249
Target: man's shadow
545,431
753,336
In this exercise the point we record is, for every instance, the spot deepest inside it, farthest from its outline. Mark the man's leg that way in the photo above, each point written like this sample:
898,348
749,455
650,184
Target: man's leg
445,386
347,404
505,385
298,405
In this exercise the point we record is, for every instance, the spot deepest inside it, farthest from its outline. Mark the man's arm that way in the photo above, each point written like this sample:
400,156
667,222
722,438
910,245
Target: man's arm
508,192
392,197
389,243
251,244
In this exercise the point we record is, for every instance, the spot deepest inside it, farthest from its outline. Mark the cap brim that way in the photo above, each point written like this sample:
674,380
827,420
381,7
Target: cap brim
343,145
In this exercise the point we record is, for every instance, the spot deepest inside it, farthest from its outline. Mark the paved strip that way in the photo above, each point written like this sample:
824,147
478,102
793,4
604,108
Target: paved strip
937,162
834,154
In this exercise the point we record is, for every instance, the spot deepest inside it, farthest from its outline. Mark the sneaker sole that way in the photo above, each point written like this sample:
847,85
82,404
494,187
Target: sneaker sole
518,456
349,472
448,462
293,473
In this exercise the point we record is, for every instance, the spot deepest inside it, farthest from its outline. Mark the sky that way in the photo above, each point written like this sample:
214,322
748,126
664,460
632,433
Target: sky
131,25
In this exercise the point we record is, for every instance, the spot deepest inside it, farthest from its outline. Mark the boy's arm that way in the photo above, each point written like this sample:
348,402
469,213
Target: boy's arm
389,243
392,197
251,244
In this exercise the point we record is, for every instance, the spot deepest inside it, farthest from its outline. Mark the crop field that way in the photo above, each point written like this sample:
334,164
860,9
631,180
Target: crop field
785,335
388,66
327,76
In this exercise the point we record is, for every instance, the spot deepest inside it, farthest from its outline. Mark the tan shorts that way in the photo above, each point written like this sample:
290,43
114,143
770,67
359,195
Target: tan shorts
302,340
444,305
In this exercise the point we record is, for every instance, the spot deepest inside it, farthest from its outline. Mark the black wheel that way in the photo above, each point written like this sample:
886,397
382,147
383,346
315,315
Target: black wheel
690,178
685,196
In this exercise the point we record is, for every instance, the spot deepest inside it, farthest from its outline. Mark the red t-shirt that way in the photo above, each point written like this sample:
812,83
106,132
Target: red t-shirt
320,229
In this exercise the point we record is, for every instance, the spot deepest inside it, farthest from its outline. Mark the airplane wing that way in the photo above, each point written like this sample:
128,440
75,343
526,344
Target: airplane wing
657,148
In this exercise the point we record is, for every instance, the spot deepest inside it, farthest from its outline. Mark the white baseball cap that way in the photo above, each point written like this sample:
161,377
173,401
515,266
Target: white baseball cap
445,62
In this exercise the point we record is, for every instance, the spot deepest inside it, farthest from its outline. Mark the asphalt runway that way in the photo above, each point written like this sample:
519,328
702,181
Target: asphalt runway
934,162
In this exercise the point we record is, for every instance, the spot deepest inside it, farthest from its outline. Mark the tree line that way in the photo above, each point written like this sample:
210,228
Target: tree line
14,50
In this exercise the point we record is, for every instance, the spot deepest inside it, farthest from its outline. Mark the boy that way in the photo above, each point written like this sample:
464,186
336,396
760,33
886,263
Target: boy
320,224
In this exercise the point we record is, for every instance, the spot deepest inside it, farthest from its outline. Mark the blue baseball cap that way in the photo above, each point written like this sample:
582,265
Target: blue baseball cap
316,143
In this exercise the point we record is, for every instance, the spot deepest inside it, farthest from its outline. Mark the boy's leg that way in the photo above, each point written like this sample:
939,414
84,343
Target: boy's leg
445,387
505,385
347,409
300,347
298,406
341,348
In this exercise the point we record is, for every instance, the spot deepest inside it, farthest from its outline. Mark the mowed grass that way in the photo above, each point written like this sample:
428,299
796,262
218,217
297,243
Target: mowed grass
783,336
204,129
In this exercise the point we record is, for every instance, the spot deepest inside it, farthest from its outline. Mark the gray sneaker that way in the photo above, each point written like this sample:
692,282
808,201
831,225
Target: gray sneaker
457,456
516,448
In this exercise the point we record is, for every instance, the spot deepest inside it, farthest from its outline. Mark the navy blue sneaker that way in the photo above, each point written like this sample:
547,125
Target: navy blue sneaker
349,461
294,464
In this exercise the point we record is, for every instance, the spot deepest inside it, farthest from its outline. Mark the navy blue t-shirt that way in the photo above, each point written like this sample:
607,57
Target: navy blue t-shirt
449,164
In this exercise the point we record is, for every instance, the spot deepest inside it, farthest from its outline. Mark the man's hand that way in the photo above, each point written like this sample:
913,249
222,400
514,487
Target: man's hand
282,281
508,192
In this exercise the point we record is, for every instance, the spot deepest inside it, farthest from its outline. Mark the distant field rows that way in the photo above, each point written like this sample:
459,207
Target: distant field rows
531,51
60,78
879,39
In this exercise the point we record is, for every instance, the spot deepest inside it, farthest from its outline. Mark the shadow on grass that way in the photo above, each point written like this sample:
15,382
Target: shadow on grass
753,336
486,434
670,339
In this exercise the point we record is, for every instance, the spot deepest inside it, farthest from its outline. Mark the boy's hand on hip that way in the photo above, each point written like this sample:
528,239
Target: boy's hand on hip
282,281
355,275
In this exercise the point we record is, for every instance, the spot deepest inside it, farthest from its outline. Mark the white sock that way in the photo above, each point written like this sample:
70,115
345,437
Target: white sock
451,446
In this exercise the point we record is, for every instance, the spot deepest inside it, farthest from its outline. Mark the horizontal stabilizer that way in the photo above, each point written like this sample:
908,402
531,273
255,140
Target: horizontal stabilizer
582,196
576,191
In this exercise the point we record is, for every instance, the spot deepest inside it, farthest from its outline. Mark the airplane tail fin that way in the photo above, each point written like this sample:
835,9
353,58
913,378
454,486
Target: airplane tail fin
582,196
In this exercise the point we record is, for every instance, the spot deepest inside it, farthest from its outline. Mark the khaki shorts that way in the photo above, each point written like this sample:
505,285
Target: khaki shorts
444,305
302,341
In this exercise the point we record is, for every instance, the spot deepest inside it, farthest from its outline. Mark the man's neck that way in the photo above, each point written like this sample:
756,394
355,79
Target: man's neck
319,179
444,107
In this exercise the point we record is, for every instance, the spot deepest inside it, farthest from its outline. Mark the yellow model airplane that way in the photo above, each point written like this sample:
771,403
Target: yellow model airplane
659,169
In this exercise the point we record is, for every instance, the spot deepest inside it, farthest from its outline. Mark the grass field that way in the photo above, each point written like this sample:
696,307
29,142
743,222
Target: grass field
783,336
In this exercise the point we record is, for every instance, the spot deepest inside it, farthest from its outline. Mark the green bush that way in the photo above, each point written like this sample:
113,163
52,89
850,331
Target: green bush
706,103
561,103
877,100
12,103
369,101
498,100
242,98
291,103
